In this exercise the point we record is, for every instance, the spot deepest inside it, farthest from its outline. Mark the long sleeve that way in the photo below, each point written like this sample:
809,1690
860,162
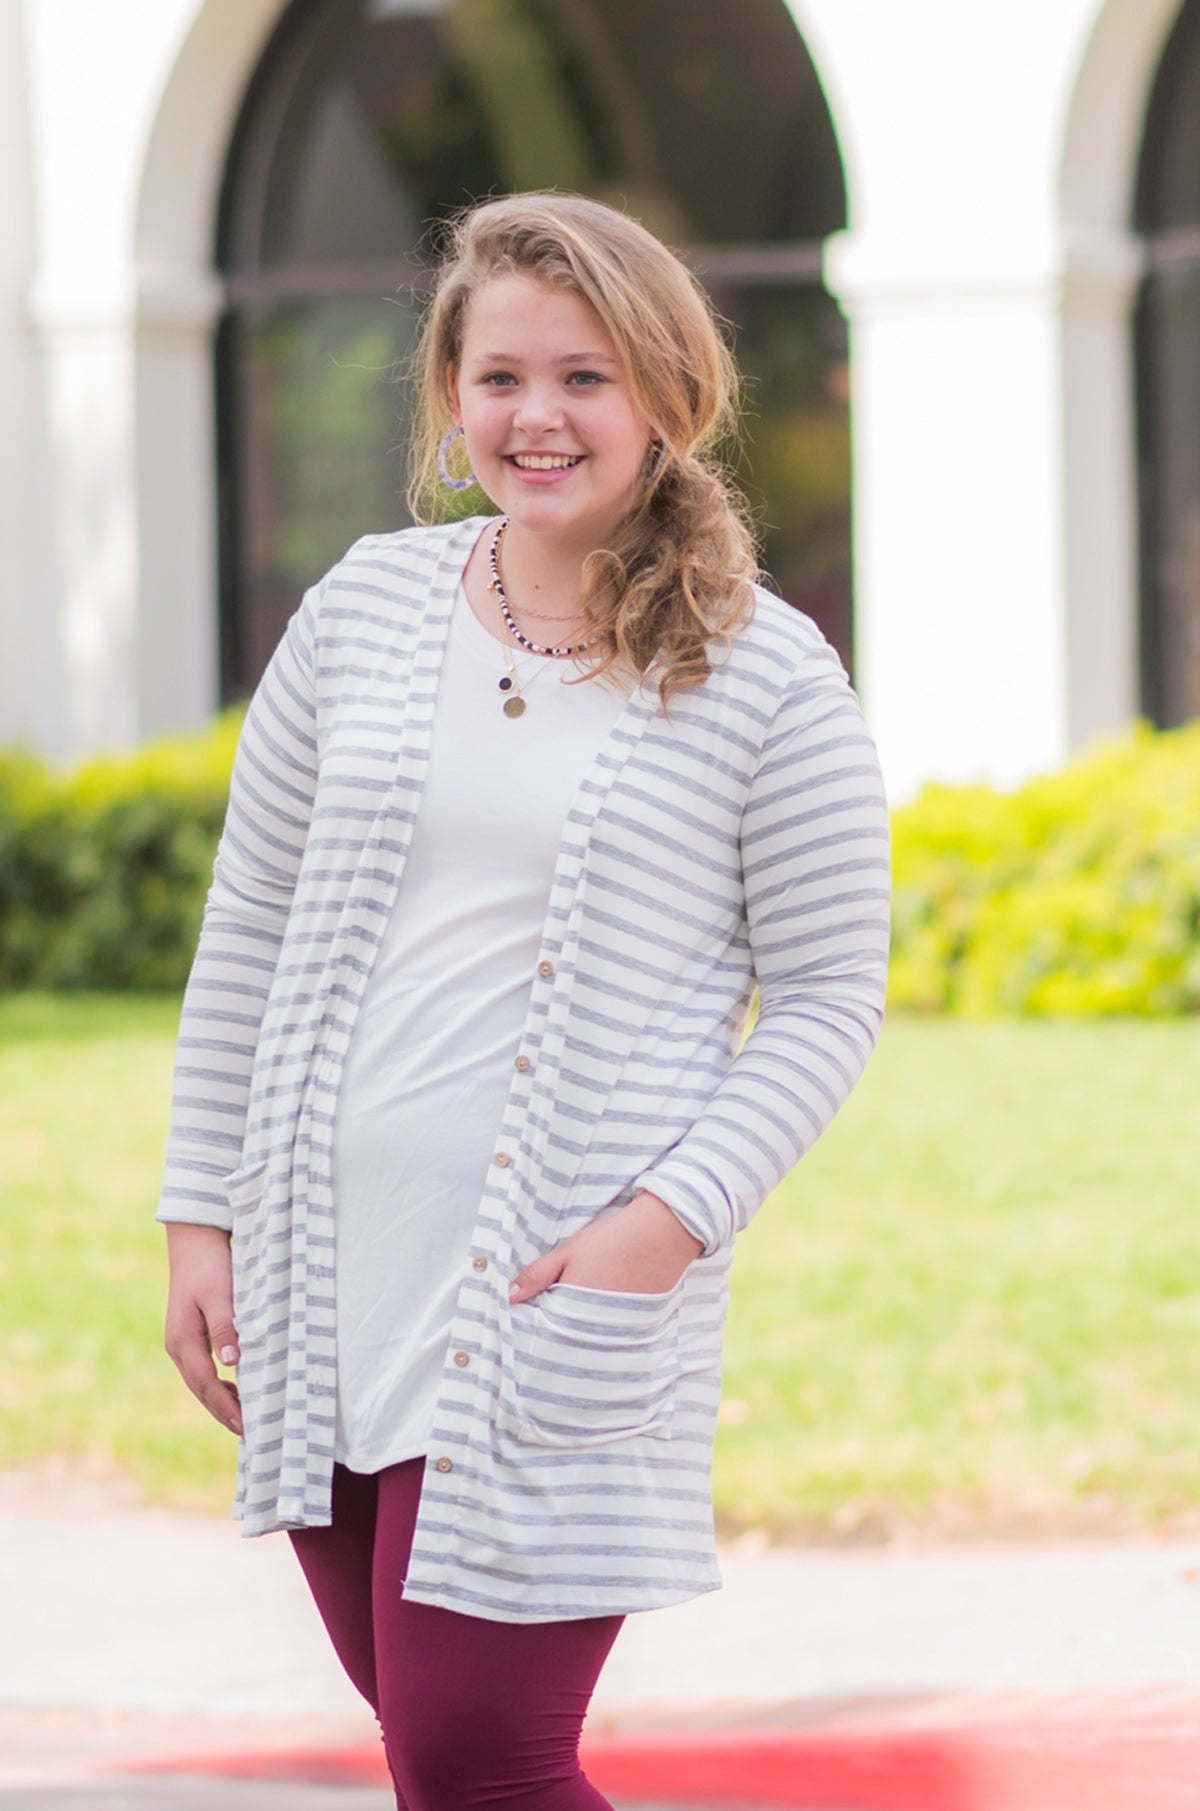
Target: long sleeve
815,869
245,917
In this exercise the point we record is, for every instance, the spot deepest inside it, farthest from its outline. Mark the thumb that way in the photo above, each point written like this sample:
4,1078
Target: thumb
223,1339
538,1276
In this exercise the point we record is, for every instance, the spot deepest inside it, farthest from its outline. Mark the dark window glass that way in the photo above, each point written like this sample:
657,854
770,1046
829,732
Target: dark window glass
369,120
1168,359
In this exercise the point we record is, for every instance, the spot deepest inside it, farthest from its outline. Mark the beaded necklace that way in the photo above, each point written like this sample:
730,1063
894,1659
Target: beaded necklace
497,585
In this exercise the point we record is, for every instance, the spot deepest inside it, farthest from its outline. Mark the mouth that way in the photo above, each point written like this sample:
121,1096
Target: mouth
545,462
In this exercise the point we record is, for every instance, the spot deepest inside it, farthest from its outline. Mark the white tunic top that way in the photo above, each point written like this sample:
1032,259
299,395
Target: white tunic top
438,1033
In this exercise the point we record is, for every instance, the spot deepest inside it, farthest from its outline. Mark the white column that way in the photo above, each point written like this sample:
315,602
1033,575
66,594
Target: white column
131,107
1099,463
177,660
991,385
178,303
88,537
960,638
126,542
27,702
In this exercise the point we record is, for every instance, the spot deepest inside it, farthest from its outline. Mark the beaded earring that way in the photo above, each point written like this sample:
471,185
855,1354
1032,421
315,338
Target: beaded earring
656,459
447,441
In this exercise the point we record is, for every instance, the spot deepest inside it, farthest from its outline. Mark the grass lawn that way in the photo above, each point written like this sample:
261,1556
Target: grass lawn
84,1086
976,1306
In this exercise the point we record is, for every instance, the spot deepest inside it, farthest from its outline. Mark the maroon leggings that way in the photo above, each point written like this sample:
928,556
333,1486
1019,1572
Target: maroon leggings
473,1713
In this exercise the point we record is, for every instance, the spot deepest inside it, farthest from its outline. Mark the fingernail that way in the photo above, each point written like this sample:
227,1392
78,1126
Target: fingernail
514,1290
228,1355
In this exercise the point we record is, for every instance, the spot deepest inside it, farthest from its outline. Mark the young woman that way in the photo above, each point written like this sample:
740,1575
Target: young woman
525,809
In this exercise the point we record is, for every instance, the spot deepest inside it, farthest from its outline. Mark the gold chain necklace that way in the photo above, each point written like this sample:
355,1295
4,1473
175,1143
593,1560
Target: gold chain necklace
510,686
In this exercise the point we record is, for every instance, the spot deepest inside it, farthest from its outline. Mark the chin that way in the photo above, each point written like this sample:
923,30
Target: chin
552,516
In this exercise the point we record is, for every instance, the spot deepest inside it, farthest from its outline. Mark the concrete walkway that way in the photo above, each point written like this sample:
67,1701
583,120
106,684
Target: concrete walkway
133,1639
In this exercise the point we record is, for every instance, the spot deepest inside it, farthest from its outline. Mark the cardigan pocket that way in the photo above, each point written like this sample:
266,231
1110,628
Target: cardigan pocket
246,1191
590,1366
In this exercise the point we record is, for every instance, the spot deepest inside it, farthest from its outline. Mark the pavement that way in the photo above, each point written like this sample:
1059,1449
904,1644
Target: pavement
157,1662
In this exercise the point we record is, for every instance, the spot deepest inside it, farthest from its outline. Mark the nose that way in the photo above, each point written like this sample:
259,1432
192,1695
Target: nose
540,409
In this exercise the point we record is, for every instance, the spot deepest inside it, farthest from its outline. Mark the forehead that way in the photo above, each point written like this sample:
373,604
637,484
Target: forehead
515,311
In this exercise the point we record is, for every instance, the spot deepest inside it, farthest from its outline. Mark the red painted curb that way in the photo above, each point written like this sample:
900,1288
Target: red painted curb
1097,1762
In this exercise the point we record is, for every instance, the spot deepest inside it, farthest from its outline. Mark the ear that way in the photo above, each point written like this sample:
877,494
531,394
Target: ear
452,393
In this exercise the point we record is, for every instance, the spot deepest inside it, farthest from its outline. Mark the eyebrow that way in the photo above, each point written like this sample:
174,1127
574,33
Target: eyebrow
570,358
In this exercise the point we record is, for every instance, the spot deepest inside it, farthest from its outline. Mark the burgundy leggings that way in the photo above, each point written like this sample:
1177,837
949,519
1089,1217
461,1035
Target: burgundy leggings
473,1713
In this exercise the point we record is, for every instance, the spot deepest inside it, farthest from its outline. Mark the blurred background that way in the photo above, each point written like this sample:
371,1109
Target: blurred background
971,233
958,250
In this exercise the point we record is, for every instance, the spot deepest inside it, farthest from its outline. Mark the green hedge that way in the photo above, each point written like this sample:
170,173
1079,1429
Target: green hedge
1078,894
103,871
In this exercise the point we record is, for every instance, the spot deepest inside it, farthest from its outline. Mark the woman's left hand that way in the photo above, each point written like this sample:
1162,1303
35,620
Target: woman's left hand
642,1248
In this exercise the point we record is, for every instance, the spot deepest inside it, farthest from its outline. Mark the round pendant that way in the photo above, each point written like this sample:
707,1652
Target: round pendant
514,707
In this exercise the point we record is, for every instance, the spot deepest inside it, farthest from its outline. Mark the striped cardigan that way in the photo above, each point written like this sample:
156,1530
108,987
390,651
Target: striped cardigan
737,837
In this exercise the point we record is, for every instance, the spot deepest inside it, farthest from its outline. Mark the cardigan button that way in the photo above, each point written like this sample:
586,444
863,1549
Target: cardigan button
522,1063
545,969
445,1465
478,1263
502,1160
462,1360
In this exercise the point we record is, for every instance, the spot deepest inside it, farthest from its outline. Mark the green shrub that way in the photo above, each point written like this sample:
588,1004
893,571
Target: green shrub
103,871
1077,894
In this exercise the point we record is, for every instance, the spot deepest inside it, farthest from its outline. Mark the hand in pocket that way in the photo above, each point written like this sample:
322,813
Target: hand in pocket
642,1249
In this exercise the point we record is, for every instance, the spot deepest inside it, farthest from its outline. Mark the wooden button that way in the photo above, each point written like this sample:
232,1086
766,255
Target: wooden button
462,1360
445,1465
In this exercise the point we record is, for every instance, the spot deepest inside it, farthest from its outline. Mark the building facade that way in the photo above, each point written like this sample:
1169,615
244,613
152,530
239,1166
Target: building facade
959,247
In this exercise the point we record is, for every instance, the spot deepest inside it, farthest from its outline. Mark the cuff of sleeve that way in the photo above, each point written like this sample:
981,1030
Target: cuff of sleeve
194,1213
194,1191
685,1202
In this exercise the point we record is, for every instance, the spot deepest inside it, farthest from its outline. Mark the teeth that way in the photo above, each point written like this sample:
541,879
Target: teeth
546,462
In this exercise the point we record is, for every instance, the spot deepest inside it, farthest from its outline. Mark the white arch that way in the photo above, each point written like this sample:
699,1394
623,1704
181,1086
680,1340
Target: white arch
1102,263
810,23
189,140
1107,111
177,301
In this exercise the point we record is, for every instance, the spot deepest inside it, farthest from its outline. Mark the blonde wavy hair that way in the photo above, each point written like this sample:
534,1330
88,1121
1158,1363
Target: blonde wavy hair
676,575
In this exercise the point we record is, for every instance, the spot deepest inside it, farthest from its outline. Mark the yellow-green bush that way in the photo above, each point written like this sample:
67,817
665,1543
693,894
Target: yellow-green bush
1079,893
103,871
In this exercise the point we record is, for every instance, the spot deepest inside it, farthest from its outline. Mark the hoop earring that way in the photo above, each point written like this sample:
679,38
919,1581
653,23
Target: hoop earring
656,459
447,441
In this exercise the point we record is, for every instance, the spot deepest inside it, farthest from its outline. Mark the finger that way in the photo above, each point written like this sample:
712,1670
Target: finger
218,1397
538,1276
222,1337
192,1357
224,1405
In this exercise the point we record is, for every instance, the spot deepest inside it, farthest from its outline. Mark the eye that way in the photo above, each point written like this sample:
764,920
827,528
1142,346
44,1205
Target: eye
497,379
586,379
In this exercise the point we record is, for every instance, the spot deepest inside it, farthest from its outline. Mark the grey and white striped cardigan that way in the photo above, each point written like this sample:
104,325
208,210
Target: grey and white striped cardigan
739,837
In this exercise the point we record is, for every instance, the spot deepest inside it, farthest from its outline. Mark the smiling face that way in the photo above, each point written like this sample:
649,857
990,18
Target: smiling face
554,434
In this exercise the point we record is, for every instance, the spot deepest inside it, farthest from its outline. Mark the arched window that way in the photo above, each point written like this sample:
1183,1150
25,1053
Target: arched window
370,119
1168,357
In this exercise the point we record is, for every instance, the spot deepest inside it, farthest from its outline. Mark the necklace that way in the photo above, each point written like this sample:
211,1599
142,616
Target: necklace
510,686
497,585
542,616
